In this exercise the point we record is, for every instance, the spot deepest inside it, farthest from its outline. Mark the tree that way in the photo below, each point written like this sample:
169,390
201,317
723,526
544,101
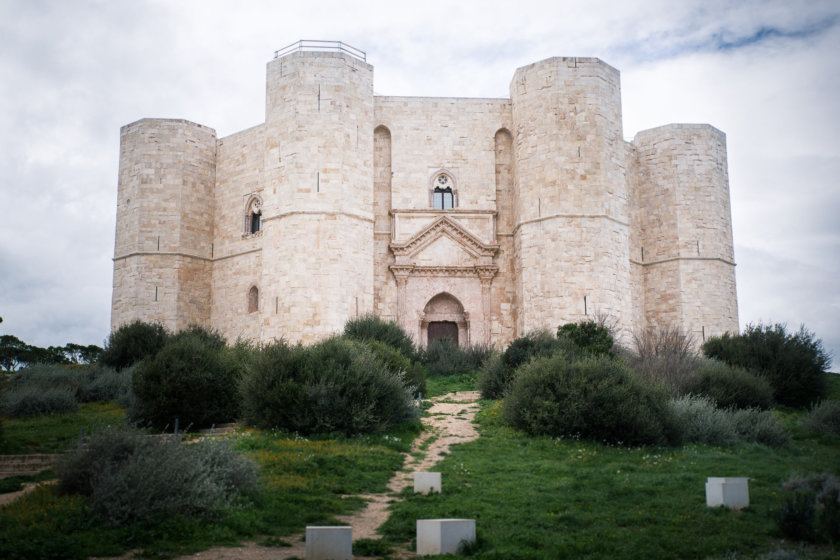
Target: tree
13,352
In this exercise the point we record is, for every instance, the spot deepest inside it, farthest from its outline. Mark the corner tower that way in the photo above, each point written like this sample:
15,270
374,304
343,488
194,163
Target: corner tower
162,253
570,194
685,226
318,192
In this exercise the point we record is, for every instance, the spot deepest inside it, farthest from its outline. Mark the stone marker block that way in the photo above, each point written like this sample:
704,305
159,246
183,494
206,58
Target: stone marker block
442,536
427,482
329,543
732,492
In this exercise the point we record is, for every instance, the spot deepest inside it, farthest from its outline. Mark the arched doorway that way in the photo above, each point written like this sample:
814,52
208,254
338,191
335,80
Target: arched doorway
444,317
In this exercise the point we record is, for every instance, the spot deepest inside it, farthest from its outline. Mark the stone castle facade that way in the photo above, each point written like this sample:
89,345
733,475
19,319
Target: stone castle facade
481,219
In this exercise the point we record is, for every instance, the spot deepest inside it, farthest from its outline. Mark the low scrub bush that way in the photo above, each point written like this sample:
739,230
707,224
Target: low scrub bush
370,327
794,364
701,421
445,357
106,384
595,398
337,385
589,336
495,378
192,378
729,386
132,478
823,417
396,362
812,508
664,357
131,343
28,400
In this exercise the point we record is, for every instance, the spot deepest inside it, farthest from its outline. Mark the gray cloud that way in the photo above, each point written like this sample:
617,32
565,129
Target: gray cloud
765,72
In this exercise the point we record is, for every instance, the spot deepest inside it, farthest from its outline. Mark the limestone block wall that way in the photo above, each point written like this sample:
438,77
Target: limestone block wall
685,229
571,228
164,223
237,258
318,215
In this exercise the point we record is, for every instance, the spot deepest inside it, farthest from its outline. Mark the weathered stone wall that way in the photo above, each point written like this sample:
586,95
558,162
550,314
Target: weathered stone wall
571,217
165,220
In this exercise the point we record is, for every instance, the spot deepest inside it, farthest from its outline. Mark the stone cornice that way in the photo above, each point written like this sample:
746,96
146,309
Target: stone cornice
480,271
440,227
672,259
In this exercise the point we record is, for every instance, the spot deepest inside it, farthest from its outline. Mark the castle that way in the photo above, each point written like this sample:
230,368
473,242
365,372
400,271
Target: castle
479,219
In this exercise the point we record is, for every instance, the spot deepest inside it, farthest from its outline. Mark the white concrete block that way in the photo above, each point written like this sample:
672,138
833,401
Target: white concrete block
443,536
732,492
427,482
329,543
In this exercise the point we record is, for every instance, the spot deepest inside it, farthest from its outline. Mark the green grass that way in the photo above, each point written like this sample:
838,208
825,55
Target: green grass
303,483
563,498
437,385
54,433
16,483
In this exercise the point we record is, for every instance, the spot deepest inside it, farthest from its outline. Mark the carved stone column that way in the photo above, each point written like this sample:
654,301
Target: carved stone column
485,276
401,273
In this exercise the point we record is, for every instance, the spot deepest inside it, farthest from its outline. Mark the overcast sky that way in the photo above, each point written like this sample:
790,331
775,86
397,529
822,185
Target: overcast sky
767,73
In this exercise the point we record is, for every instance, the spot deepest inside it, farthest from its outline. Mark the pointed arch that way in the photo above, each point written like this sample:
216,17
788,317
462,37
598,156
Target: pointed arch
253,299
253,215
444,317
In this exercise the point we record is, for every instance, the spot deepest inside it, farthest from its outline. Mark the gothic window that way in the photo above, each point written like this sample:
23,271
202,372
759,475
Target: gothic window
253,299
443,197
253,217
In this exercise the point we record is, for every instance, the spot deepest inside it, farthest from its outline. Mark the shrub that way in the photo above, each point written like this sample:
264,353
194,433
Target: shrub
664,357
700,421
535,343
106,384
444,357
595,398
131,343
824,417
191,378
729,386
794,364
30,399
588,335
812,509
370,327
134,478
337,385
495,378
397,363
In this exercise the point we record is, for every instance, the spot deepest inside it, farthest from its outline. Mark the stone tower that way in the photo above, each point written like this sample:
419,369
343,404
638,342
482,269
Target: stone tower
685,229
162,255
570,195
317,194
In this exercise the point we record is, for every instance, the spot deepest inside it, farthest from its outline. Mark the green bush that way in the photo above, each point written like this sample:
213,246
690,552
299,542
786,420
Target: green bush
398,363
812,508
824,417
700,421
589,336
370,327
337,385
104,384
665,357
495,378
132,478
28,400
444,357
729,386
192,378
794,364
131,343
595,398
535,343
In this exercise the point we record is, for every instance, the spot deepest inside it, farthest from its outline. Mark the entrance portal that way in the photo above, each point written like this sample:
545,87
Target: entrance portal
442,329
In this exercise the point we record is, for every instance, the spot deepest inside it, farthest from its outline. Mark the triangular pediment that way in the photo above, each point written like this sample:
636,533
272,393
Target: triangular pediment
453,231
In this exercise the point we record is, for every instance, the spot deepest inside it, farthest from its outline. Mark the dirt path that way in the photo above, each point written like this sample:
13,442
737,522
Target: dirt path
450,421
